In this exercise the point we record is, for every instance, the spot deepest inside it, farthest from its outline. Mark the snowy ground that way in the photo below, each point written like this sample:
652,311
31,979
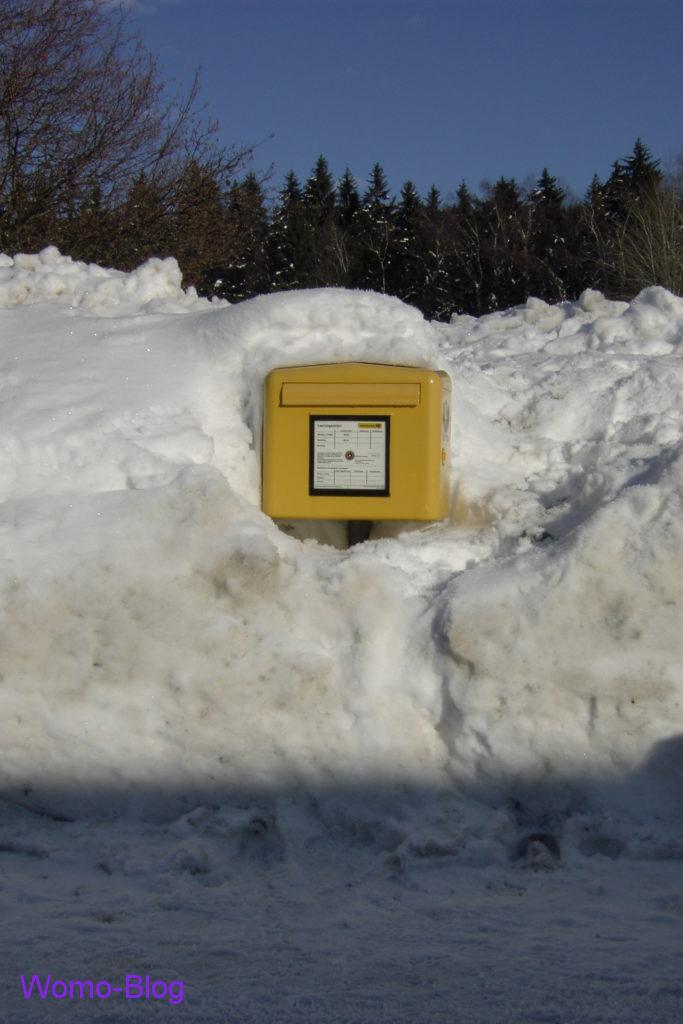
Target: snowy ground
435,777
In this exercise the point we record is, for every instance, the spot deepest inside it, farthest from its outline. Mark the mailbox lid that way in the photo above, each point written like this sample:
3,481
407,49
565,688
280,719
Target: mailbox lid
346,393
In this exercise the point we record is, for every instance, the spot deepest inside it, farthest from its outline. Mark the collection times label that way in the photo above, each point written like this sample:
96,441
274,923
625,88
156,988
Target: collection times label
349,455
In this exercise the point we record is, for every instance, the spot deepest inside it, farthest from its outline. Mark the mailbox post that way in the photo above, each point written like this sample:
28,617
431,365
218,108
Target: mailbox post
356,441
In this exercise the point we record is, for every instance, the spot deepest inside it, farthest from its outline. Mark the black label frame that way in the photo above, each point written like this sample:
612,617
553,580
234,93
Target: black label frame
344,491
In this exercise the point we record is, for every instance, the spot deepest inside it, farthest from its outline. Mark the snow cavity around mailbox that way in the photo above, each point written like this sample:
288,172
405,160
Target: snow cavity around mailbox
356,441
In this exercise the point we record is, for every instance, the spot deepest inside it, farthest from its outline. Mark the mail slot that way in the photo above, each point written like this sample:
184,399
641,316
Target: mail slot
365,393
356,441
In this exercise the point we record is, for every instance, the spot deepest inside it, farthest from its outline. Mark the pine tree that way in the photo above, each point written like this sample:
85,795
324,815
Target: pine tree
406,267
642,172
287,236
378,212
547,194
348,200
582,268
595,195
436,299
465,203
319,265
615,193
409,212
506,238
630,179
465,252
549,267
648,247
319,194
247,273
345,243
594,233
433,202
633,182
377,192
506,197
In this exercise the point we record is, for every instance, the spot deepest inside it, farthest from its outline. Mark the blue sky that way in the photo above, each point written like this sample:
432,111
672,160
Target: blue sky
435,91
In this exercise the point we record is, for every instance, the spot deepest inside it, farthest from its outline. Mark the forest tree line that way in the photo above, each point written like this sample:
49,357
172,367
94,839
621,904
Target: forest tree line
95,160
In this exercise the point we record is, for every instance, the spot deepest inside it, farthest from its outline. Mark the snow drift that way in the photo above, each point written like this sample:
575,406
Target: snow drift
164,642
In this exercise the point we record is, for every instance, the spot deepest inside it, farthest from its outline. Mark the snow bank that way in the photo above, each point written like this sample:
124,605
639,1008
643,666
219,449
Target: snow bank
50,277
165,643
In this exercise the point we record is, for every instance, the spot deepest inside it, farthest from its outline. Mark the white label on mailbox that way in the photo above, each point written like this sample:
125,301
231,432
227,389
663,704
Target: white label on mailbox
349,455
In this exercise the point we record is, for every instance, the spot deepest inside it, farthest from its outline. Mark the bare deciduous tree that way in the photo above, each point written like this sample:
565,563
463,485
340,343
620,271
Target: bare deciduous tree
83,114
651,242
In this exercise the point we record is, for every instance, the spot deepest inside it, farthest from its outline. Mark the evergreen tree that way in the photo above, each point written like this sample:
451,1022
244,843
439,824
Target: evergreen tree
433,203
378,212
408,213
345,244
288,236
550,258
643,241
319,263
615,193
505,239
377,192
348,200
630,179
464,255
465,203
406,267
641,171
319,194
633,181
506,198
591,255
247,273
436,301
581,262
473,255
547,194
595,195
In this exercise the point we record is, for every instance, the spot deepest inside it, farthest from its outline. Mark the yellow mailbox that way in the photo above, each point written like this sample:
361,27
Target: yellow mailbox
356,441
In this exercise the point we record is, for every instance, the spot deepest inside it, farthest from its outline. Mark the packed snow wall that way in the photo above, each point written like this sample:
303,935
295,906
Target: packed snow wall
164,642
